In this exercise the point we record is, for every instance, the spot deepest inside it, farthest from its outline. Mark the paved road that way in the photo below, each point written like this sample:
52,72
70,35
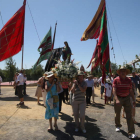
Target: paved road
28,123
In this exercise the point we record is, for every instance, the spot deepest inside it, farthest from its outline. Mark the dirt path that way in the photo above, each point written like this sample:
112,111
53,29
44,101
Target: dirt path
28,123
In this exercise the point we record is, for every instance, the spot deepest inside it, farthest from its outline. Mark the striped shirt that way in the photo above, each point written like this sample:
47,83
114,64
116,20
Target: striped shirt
79,95
122,86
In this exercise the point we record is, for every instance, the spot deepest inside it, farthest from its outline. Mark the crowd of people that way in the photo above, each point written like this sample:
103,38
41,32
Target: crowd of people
121,87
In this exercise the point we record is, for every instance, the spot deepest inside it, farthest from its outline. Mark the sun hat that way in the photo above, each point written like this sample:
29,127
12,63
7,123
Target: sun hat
89,75
81,73
123,68
50,74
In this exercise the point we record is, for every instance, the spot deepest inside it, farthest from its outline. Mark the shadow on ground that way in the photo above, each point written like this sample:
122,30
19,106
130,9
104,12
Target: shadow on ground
98,105
93,131
26,98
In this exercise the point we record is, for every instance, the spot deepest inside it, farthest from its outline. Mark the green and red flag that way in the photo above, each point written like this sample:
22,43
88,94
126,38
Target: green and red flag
98,29
12,34
46,47
103,44
93,29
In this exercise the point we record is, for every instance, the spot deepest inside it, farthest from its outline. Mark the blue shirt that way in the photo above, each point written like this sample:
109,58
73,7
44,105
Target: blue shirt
135,80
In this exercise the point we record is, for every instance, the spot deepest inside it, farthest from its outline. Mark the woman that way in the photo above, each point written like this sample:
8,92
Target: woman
38,93
65,91
79,102
66,52
52,100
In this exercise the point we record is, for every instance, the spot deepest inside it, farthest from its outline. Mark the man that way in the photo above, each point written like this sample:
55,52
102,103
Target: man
0,84
25,79
19,84
90,89
122,90
102,86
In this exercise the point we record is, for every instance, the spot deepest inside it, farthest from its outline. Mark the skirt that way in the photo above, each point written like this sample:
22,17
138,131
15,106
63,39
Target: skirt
38,92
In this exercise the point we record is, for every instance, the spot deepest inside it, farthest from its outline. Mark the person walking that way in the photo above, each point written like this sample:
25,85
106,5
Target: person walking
52,100
19,84
122,90
90,88
79,102
38,93
108,87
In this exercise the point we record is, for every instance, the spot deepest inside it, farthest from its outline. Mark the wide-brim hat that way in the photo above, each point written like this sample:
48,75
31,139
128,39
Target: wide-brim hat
89,76
123,68
81,73
50,74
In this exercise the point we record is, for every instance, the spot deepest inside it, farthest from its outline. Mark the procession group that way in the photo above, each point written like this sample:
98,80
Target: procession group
122,88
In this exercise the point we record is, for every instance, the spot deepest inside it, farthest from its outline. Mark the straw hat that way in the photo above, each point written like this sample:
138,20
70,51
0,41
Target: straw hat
50,74
89,76
123,68
81,73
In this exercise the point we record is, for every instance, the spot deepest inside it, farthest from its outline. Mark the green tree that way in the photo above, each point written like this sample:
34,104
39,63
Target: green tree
10,69
37,73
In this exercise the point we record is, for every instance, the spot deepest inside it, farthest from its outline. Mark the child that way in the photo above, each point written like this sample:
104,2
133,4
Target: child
108,87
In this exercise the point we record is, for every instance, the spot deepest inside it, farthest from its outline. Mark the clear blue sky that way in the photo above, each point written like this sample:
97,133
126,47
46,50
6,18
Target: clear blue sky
73,17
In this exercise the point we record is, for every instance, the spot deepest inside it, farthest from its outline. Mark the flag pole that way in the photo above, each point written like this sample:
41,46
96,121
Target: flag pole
24,3
54,36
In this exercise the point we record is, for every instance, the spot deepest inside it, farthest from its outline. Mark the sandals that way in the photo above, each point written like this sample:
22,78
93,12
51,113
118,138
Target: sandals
56,127
50,129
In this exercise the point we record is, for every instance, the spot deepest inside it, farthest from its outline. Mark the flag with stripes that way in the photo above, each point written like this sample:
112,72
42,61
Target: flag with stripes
46,47
103,44
12,34
93,29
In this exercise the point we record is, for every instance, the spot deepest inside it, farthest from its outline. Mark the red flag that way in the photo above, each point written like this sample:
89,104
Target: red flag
12,34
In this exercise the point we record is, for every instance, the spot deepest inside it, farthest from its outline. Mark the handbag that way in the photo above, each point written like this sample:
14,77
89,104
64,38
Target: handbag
55,98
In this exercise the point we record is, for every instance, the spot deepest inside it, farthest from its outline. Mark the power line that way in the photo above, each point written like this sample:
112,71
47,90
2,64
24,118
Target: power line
116,34
33,21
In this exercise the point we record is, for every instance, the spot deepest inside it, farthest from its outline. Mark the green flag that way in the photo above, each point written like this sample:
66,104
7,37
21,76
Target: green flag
46,47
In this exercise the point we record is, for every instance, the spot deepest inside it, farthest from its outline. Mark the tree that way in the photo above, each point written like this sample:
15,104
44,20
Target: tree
37,73
114,67
10,69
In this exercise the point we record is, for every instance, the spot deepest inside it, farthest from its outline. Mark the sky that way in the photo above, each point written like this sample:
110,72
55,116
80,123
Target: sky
73,17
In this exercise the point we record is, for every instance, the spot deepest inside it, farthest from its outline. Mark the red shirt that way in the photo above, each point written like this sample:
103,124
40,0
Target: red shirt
122,86
65,85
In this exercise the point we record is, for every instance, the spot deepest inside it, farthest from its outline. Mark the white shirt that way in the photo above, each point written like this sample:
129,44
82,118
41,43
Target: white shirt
20,78
100,80
108,89
25,79
0,79
90,83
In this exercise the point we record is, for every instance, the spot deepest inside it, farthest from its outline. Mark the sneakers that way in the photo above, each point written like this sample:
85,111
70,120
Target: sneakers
76,129
132,136
117,129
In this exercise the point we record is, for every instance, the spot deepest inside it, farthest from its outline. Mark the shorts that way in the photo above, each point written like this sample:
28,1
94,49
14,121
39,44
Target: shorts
102,89
19,91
